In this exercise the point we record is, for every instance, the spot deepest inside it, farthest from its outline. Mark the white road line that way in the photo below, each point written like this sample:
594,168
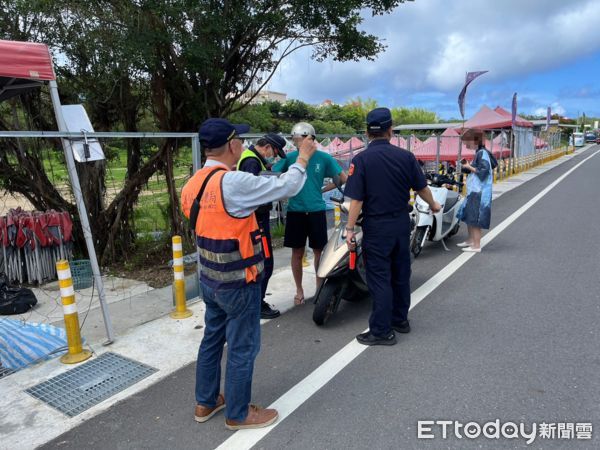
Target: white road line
297,395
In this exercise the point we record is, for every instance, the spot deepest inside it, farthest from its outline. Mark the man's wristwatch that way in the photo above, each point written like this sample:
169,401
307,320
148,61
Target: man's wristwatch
350,229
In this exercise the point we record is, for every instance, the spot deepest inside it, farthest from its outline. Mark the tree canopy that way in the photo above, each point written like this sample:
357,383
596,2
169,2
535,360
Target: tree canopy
167,65
348,118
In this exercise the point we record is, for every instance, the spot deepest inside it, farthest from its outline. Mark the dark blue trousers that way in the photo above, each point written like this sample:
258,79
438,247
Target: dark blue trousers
232,316
387,261
265,225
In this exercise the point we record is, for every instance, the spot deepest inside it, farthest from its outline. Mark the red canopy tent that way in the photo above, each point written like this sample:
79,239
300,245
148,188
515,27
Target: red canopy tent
540,143
402,142
449,141
347,148
353,143
333,146
497,148
519,121
23,66
490,119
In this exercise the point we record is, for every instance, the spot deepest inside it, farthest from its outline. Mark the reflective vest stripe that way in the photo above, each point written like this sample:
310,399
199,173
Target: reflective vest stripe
229,247
229,276
224,258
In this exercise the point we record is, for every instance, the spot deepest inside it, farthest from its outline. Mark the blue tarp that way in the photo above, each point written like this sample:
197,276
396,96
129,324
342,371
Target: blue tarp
23,343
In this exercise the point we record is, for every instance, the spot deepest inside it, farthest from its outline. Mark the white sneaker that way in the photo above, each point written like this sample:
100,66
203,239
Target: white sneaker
463,244
472,250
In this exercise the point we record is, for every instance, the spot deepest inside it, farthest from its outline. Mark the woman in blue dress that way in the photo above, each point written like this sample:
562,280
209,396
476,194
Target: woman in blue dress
477,208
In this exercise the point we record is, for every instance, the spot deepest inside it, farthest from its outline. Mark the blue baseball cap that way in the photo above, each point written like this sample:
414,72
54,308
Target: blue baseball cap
379,119
217,132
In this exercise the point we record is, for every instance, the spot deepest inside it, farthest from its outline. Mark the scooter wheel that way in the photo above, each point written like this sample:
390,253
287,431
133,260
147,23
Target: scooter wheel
415,247
327,301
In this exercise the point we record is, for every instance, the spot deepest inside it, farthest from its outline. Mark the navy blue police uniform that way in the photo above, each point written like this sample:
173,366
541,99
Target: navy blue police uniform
381,177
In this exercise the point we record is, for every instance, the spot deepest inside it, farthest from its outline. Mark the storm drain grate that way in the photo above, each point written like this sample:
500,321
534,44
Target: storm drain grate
81,388
4,372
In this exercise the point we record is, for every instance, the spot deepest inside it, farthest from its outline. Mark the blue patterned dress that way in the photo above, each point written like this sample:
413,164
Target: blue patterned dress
477,209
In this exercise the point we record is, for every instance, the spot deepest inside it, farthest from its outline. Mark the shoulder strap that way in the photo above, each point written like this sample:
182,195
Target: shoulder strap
195,210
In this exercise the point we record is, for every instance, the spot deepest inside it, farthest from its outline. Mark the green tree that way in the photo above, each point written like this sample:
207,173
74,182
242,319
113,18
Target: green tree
297,110
332,127
183,60
259,117
413,115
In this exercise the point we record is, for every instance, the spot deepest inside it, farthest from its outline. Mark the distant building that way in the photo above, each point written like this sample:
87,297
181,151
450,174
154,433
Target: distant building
265,96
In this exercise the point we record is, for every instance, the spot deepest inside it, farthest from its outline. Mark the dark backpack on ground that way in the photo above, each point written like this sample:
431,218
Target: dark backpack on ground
14,300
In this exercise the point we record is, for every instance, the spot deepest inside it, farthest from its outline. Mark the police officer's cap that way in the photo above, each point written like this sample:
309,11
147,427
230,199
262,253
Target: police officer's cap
277,142
379,119
217,132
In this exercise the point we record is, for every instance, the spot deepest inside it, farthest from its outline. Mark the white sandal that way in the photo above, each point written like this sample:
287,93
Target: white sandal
472,250
463,244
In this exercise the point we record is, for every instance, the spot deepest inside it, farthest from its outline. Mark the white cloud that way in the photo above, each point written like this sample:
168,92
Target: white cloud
432,43
555,109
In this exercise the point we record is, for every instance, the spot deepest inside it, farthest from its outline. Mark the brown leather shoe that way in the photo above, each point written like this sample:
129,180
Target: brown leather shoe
204,413
257,418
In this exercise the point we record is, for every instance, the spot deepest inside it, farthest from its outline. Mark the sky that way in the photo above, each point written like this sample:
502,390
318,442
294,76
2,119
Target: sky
547,51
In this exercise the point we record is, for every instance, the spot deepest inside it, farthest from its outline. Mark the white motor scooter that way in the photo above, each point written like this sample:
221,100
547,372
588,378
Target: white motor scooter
340,280
441,225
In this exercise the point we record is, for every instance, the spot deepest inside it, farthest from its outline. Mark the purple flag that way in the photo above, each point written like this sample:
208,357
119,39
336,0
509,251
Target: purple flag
514,108
461,97
548,117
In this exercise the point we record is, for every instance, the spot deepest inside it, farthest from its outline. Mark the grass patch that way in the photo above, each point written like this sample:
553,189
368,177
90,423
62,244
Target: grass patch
278,231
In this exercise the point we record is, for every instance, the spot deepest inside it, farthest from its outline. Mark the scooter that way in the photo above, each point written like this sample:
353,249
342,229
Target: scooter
441,225
340,279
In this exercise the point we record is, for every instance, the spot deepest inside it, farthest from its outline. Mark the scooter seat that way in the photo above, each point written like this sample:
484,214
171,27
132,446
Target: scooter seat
451,200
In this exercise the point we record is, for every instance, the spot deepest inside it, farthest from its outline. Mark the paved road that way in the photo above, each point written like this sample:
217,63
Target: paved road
512,335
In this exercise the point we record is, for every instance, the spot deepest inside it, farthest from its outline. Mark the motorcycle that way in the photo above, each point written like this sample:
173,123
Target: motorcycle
340,280
441,225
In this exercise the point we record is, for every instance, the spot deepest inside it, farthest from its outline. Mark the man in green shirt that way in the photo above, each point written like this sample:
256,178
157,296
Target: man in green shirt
306,217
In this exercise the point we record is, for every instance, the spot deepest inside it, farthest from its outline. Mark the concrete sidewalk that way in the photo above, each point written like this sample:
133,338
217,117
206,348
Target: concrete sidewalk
145,333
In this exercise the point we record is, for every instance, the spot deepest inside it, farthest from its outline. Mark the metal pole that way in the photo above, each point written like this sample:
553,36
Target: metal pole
437,153
85,225
492,152
459,163
196,155
196,162
511,169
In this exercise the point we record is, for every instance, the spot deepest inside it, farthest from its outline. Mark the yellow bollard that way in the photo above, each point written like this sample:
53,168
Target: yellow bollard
181,311
76,352
305,262
337,214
